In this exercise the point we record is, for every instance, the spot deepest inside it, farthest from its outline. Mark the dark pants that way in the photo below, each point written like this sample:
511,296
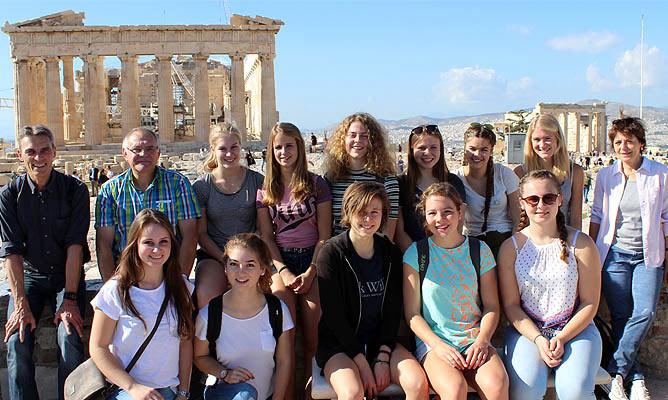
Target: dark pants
494,240
39,290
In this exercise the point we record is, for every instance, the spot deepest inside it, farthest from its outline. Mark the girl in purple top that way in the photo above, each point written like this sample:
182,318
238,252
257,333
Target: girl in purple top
294,217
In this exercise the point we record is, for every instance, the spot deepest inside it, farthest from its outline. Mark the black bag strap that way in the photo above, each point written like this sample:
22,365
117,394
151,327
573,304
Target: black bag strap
474,253
141,348
275,315
214,323
423,262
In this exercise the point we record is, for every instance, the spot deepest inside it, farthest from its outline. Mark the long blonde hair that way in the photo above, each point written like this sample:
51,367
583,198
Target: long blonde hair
560,160
218,131
379,159
301,185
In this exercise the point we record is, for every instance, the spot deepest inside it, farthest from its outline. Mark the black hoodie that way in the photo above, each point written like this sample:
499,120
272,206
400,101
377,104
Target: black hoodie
340,299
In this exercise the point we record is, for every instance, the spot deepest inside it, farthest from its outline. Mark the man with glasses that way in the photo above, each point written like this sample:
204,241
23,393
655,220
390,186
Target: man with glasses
44,220
144,185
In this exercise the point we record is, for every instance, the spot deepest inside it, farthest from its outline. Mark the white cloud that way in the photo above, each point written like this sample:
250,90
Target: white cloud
597,82
587,42
521,29
474,85
627,67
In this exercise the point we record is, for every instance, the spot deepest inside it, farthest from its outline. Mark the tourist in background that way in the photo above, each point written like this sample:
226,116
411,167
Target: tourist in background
492,205
93,177
144,185
127,308
249,362
226,194
359,151
294,217
454,311
550,285
102,179
545,148
359,273
426,165
629,221
44,220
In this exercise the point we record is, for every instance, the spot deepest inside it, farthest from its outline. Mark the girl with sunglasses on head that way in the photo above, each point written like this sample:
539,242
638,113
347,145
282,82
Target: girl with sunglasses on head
359,276
629,221
452,303
550,283
545,148
252,358
426,165
146,289
492,205
358,151
295,219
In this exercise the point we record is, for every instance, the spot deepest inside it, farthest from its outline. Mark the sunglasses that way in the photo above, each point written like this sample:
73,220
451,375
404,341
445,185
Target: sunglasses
548,199
478,125
425,129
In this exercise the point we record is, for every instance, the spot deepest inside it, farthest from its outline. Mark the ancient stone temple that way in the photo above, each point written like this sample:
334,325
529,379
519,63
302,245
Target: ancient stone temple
179,93
584,126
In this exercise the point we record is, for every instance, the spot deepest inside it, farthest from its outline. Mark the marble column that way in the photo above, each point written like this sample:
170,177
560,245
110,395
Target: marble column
22,95
54,100
91,100
577,131
37,91
103,93
268,95
130,112
238,106
567,137
165,99
603,131
202,110
70,129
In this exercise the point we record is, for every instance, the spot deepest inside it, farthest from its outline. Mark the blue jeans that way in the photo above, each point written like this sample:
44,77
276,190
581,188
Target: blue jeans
39,290
226,391
297,260
574,378
632,293
120,394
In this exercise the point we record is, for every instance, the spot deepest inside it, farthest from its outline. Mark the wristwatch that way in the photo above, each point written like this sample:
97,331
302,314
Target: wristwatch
70,296
183,393
223,373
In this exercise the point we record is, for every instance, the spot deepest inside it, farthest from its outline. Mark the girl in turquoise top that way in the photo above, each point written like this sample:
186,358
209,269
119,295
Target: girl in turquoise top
457,319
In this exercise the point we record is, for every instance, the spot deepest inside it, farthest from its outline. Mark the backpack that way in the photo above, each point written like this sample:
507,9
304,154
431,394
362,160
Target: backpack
198,378
423,260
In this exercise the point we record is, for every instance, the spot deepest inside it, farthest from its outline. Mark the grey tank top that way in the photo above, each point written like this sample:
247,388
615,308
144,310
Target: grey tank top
628,230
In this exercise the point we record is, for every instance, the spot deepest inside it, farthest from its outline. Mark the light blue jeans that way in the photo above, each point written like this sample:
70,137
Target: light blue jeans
119,394
227,391
632,292
574,378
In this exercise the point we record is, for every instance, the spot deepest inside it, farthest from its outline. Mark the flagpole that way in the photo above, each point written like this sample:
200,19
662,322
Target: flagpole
642,39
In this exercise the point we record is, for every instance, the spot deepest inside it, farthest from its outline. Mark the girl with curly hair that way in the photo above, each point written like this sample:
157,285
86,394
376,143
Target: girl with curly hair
358,151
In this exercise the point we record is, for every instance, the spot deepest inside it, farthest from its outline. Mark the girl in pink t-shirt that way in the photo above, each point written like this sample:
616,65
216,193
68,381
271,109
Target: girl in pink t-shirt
294,217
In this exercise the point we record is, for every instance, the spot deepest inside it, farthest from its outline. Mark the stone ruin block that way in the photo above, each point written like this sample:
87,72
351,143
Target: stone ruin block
8,167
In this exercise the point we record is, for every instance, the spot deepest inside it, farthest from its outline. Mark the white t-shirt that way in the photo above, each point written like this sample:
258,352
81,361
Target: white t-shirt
158,366
498,219
248,343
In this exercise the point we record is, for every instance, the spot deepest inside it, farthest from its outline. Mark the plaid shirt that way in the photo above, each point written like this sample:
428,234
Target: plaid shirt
119,202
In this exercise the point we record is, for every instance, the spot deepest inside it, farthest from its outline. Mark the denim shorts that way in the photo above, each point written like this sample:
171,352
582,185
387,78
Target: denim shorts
298,259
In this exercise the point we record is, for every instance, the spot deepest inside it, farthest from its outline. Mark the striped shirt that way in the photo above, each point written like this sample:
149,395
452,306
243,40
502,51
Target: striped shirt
339,187
119,202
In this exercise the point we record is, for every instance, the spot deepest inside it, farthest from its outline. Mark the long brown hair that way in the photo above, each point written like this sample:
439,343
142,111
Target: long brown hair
379,159
538,175
484,132
440,171
131,271
301,184
254,243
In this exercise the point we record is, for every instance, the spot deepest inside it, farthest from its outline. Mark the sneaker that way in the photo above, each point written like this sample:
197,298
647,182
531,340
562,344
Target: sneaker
639,390
615,389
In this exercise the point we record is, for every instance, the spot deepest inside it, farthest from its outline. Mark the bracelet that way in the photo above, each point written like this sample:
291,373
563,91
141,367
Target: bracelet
282,268
537,336
183,393
383,351
377,361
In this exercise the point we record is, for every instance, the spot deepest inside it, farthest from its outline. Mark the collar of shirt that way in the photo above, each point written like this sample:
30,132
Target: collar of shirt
644,166
49,185
159,171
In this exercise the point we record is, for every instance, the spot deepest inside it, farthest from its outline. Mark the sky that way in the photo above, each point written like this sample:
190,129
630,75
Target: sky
399,59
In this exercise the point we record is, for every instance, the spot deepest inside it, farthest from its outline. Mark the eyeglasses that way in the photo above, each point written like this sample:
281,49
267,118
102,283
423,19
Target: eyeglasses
548,199
478,125
425,129
140,151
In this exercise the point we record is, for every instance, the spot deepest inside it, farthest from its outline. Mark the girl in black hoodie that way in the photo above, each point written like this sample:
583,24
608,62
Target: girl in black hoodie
360,279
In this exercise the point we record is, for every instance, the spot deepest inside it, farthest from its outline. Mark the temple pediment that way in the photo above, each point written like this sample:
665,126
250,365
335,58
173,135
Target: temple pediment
63,18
